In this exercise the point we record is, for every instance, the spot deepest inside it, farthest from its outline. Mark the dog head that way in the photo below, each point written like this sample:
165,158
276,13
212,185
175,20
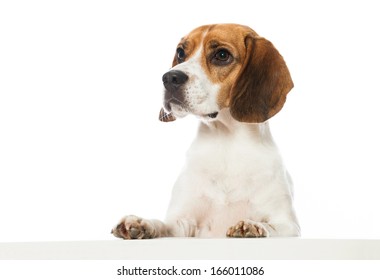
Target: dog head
225,66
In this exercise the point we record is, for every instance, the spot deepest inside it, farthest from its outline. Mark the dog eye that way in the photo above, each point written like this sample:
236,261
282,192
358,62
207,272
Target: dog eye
180,55
222,57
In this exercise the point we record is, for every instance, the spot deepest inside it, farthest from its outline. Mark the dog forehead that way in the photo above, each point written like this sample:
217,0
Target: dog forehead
216,33
228,32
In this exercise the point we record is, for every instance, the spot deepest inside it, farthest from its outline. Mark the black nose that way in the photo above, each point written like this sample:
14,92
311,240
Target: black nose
174,79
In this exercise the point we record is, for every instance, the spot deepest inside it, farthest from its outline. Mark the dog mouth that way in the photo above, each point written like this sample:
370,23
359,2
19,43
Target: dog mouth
179,110
213,115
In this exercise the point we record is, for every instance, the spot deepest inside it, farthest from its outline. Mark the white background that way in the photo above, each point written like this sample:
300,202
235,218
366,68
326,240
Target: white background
80,92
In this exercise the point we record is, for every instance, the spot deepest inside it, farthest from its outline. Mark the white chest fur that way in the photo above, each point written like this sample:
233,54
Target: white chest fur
233,170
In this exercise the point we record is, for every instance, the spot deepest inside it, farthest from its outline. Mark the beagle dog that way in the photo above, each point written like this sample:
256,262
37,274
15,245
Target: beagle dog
234,182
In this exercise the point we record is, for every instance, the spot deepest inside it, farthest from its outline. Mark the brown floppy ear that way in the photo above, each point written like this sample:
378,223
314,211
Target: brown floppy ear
166,117
262,84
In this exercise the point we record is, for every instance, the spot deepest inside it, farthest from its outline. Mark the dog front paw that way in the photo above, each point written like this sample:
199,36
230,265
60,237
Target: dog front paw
133,227
247,229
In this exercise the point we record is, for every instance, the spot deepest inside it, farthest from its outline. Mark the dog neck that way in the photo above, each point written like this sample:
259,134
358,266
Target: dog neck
226,125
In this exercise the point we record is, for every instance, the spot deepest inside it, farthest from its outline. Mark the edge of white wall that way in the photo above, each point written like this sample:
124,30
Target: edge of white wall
193,248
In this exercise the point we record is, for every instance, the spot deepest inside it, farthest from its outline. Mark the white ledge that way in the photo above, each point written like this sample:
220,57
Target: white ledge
192,248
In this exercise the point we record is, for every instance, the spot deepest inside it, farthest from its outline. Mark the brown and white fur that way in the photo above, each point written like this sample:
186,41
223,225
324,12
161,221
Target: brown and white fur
234,182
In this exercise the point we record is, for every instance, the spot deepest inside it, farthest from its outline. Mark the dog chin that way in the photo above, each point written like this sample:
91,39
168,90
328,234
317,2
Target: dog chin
203,117
180,112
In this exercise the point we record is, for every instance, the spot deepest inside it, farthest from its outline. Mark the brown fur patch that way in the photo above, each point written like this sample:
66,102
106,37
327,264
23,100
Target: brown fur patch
191,42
